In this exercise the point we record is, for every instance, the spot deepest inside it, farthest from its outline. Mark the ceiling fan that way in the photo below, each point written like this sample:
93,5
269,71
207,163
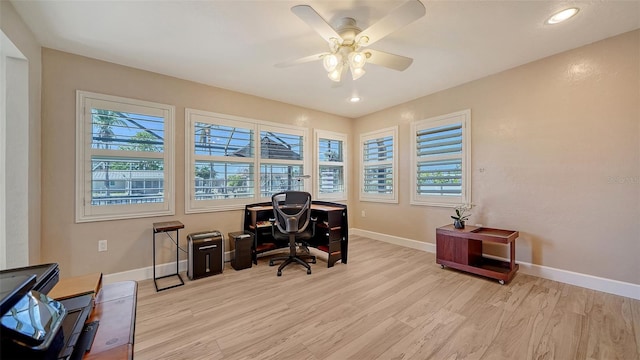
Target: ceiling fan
348,44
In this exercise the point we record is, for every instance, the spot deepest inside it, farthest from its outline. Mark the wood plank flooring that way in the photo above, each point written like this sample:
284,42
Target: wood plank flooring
388,302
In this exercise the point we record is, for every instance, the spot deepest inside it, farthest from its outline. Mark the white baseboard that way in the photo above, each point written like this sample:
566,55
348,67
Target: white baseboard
418,245
565,276
147,272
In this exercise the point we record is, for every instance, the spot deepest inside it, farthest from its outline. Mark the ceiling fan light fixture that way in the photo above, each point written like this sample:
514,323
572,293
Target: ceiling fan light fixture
357,59
336,73
561,16
346,41
363,40
331,61
357,73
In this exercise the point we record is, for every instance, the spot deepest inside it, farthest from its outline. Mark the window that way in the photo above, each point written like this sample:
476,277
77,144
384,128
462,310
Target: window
281,159
331,168
227,167
441,160
124,158
379,163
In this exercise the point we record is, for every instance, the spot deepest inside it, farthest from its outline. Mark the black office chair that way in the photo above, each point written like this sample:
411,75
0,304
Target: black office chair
292,220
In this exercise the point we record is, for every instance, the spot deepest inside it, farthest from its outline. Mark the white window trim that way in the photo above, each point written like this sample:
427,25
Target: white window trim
85,212
463,117
323,134
203,206
385,198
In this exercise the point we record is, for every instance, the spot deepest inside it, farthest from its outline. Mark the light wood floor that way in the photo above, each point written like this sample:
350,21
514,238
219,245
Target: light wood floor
388,302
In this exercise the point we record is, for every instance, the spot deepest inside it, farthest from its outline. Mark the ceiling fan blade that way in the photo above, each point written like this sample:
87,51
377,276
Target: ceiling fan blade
405,14
317,23
301,60
391,61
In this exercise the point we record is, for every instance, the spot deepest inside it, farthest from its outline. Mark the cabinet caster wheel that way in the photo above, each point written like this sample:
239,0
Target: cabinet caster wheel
441,266
270,263
308,271
279,273
501,282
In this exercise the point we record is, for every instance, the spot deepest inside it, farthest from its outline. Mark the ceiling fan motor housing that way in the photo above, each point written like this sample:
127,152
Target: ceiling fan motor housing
348,31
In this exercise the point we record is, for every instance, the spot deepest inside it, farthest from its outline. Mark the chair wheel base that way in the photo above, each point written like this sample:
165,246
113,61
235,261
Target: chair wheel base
279,273
308,271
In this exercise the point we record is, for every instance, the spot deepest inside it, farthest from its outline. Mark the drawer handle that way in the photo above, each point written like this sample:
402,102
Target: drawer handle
207,247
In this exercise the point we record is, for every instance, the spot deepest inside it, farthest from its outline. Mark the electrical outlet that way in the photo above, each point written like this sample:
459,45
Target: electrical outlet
102,245
364,214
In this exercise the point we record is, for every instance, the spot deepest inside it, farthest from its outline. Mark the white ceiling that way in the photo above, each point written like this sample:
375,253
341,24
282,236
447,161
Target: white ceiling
234,44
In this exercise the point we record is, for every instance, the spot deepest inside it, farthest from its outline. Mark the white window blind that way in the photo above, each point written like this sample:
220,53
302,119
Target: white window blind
439,177
379,164
234,160
124,158
281,160
223,162
330,166
440,160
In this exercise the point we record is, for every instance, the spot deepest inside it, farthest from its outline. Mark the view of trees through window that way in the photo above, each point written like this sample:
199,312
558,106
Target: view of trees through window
225,163
127,165
221,167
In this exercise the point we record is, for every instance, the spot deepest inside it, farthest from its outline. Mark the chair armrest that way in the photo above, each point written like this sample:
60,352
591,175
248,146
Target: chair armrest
313,225
273,227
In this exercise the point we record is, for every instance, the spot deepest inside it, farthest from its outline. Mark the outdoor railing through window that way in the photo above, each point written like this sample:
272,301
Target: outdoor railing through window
119,182
133,172
124,158
231,160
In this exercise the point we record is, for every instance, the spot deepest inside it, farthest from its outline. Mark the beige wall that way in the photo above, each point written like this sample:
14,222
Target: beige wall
556,155
20,35
74,246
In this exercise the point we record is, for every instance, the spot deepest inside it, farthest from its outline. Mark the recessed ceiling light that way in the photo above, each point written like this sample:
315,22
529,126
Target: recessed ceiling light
354,99
561,16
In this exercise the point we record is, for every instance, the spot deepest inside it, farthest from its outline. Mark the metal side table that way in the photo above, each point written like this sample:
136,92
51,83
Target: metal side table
166,227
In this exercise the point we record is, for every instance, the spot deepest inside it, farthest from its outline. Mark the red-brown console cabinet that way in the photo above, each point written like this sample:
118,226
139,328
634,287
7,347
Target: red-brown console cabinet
462,249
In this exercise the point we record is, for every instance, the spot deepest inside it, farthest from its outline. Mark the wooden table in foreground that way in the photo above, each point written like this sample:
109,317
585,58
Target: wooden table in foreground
462,249
115,309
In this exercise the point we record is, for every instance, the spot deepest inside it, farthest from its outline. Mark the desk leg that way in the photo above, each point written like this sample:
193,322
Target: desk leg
344,246
254,254
512,255
154,261
178,254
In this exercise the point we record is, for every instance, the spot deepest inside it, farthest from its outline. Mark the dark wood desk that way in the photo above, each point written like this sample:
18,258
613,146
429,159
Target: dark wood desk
462,249
332,230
